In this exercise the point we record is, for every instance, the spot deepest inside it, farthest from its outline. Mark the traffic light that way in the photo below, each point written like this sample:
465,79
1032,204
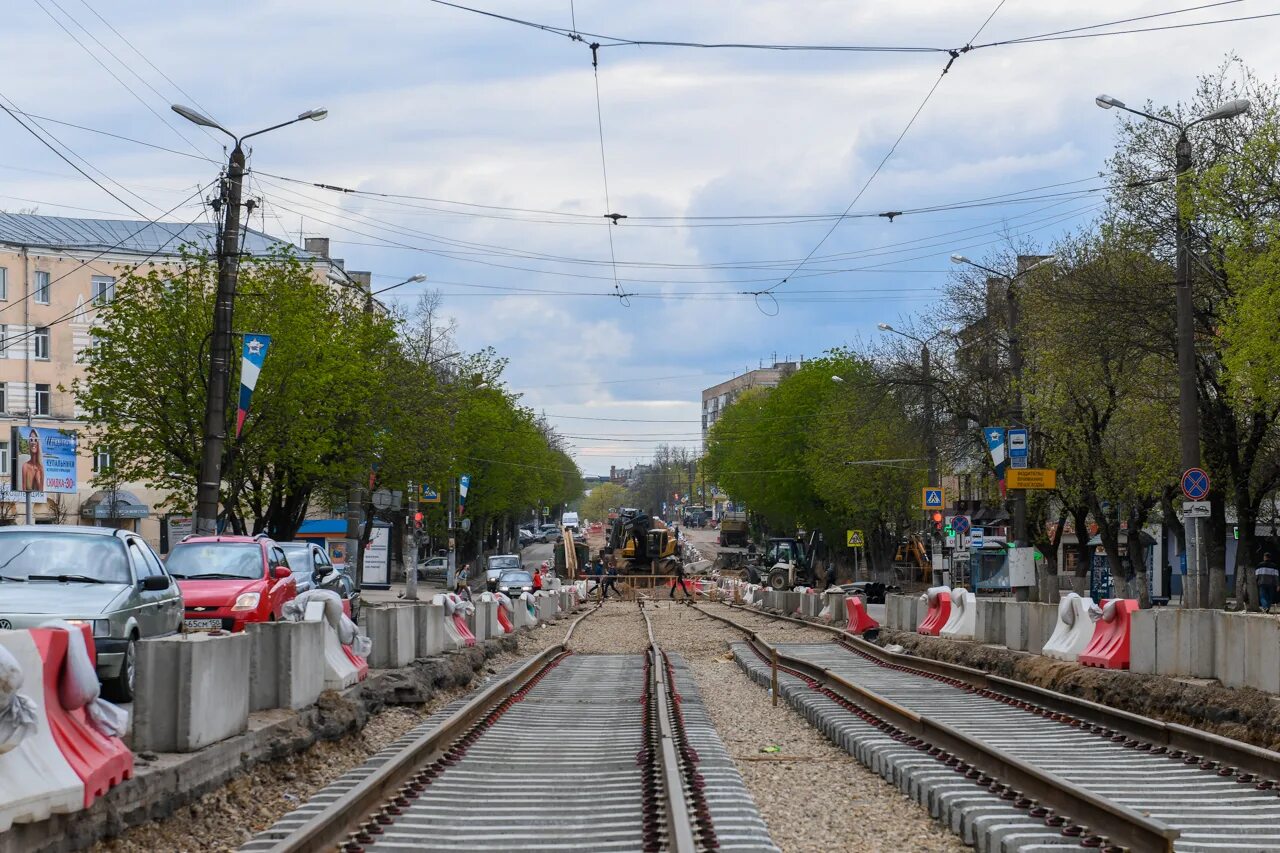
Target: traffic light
417,520
937,523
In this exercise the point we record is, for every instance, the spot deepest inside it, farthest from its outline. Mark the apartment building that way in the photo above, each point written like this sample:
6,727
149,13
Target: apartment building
54,272
718,397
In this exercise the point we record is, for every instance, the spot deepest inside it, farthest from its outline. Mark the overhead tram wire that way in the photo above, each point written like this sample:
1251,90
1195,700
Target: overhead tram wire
609,212
954,55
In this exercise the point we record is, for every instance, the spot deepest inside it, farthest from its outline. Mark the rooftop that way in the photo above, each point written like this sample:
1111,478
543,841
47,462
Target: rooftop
125,236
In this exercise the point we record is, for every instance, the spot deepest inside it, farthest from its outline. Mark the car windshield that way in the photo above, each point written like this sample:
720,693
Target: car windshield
504,562
297,553
75,557
212,560
516,579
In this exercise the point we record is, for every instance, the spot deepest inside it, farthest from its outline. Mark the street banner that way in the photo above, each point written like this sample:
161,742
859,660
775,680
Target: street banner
252,356
995,438
44,460
464,486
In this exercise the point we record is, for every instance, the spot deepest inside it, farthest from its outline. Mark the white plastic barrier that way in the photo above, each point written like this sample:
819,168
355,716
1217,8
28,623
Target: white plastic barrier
453,638
1074,629
962,624
35,779
524,615
339,670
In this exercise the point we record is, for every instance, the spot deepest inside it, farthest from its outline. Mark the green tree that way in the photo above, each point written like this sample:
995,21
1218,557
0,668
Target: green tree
603,497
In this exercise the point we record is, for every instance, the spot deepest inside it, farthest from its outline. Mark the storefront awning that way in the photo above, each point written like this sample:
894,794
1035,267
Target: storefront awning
109,504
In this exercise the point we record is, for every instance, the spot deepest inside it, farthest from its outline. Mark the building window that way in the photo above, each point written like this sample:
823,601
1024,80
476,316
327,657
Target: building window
4,456
101,460
41,338
42,288
42,399
4,338
4,407
4,283
104,289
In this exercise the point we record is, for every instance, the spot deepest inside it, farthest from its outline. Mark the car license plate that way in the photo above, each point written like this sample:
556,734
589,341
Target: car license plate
203,624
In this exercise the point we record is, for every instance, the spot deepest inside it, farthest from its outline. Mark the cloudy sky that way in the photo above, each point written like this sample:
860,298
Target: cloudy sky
476,145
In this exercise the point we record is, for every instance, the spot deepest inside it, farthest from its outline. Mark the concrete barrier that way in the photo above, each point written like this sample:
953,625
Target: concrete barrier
989,626
428,629
339,669
36,780
566,600
484,620
286,664
193,690
810,604
833,608
393,633
1262,652
1028,624
524,615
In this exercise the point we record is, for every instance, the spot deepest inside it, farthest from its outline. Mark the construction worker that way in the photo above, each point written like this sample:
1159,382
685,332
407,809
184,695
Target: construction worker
610,582
679,579
597,572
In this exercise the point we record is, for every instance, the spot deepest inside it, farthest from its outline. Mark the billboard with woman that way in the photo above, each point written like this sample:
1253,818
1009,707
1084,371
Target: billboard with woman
44,460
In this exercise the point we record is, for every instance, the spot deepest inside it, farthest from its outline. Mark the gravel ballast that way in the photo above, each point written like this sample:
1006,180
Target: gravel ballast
813,795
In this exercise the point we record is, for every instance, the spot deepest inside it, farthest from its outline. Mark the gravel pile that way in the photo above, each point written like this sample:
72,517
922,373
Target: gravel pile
814,795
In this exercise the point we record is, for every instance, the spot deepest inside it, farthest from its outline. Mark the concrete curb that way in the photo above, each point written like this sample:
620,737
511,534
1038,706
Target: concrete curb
164,782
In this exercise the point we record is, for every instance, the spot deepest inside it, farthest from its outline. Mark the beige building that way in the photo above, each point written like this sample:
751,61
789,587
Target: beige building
718,397
54,271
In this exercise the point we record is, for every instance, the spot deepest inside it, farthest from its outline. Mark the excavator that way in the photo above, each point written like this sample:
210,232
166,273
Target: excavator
636,540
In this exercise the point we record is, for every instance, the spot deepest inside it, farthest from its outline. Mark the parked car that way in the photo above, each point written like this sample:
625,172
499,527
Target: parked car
526,536
311,562
108,579
496,565
515,583
548,532
434,569
228,581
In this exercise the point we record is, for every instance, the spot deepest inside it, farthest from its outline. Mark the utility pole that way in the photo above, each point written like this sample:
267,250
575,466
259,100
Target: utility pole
1195,592
1195,588
215,410
209,482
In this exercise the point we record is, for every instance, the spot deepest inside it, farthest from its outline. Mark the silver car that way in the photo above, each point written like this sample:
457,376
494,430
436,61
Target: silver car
108,579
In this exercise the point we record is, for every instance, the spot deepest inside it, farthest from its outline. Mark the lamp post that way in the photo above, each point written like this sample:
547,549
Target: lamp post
209,483
1195,592
1019,496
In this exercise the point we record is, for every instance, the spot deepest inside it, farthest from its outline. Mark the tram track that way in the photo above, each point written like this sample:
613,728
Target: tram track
1058,772
562,752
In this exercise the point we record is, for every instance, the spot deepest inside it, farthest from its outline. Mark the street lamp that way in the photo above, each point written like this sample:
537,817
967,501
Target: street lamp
1188,392
215,412
1019,496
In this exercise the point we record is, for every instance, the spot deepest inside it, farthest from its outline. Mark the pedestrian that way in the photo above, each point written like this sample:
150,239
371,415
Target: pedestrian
610,582
597,574
679,579
831,574
1268,579
537,577
462,582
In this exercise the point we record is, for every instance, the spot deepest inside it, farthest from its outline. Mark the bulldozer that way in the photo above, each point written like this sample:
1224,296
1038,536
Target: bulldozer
638,540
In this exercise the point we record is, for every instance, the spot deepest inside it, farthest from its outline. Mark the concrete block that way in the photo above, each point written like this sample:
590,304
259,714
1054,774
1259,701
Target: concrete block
193,690
833,604
1195,642
1041,620
1262,652
483,621
393,633
1144,641
810,605
1016,626
286,664
1229,648
429,627
566,600
990,626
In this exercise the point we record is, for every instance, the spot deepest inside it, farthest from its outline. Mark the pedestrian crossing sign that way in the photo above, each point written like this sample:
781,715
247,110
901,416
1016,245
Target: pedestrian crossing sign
932,497
854,539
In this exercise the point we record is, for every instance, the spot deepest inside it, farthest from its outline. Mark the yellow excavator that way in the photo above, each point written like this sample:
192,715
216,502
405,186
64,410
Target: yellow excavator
636,540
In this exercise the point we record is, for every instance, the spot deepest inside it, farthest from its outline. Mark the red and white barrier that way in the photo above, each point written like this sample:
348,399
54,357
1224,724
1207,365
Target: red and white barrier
36,778
1074,629
457,614
938,599
859,620
962,624
1109,646
342,667
505,611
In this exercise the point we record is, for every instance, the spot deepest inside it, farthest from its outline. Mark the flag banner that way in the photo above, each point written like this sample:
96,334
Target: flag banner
253,354
464,486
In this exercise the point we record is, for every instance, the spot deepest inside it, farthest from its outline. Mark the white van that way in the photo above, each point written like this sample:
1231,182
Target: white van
570,519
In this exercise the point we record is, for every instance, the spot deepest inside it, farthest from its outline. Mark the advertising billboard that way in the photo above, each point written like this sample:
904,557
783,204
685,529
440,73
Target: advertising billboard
44,460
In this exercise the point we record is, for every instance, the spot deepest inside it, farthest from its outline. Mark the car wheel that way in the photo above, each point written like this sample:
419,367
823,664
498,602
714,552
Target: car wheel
120,688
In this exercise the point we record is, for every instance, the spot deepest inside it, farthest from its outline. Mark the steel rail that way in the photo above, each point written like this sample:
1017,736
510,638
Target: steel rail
680,832
1121,824
1172,736
331,828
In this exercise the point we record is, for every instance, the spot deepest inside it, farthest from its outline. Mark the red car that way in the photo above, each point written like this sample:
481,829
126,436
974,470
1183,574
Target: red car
227,581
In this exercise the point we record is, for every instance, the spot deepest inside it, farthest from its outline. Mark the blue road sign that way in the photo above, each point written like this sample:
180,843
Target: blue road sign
960,524
1195,483
978,537
933,498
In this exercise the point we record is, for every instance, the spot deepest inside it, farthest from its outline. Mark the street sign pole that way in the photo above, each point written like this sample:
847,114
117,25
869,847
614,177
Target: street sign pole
1195,584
